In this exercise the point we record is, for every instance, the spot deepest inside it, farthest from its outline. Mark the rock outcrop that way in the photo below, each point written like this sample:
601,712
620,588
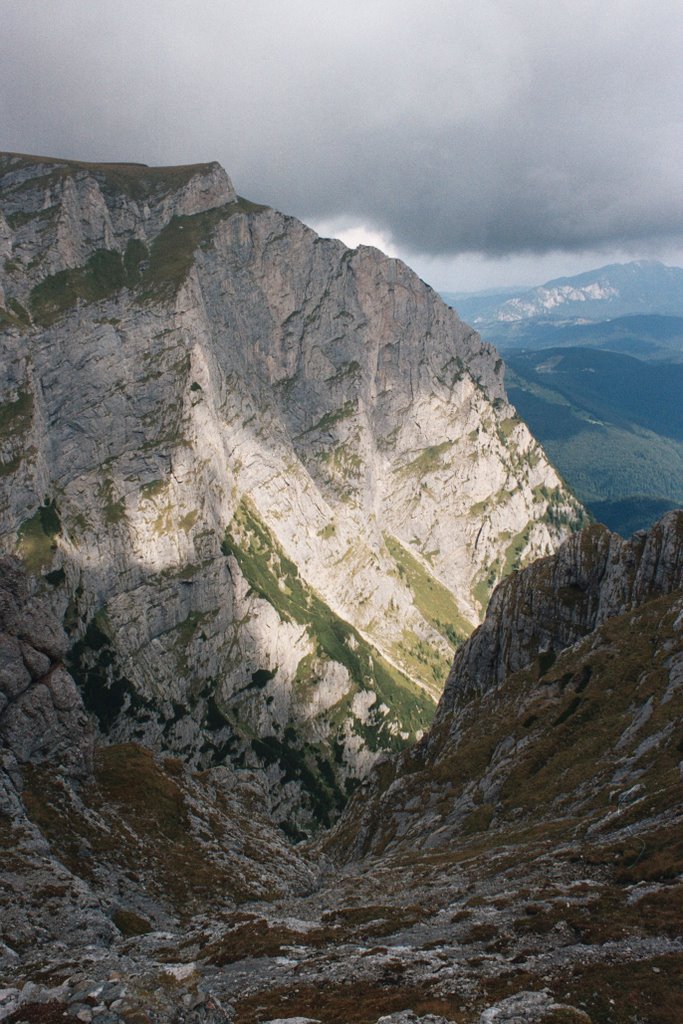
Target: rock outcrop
593,576
41,711
100,842
268,482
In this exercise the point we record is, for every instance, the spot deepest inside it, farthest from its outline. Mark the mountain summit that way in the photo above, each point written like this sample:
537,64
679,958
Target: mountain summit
267,482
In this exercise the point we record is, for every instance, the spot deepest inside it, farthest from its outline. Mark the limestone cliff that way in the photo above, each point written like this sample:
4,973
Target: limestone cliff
592,577
268,482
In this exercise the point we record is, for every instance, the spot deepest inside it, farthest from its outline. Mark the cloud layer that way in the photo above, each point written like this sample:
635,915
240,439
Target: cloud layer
505,127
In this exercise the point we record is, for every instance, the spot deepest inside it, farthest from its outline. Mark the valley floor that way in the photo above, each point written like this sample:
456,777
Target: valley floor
587,927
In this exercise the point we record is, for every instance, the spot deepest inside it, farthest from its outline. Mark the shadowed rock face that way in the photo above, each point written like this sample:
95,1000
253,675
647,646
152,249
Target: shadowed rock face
42,717
102,842
268,482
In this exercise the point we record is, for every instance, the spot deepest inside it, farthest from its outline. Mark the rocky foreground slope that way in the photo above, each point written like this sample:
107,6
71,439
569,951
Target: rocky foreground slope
522,863
267,482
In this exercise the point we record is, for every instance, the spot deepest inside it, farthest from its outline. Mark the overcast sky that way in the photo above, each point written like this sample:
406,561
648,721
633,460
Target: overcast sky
488,142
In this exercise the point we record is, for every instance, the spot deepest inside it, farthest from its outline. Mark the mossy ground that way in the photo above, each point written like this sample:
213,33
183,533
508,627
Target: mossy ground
547,745
348,1003
138,818
435,602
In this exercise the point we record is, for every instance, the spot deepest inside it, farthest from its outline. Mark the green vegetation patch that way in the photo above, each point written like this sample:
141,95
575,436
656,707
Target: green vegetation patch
506,428
153,488
432,599
423,660
173,250
156,273
332,417
14,315
275,578
37,537
428,461
513,553
101,277
344,371
134,259
114,509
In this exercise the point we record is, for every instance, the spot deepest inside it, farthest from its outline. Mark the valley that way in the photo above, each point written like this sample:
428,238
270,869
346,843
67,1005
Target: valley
321,699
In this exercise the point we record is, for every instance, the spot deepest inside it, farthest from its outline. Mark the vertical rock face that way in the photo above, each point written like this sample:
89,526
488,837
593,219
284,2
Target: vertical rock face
268,482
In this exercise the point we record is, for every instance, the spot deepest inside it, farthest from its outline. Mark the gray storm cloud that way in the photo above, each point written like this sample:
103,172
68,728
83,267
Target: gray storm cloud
500,128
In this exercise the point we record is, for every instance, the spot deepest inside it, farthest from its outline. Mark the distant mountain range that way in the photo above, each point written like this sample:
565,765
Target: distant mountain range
595,368
618,290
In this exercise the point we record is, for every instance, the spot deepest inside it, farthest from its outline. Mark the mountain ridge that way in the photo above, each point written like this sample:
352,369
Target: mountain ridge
618,289
226,448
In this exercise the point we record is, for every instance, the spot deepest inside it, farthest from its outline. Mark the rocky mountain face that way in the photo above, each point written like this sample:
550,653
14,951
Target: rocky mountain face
520,865
266,482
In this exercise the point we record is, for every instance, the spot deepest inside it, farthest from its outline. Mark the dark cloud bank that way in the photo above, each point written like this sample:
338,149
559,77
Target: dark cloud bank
501,127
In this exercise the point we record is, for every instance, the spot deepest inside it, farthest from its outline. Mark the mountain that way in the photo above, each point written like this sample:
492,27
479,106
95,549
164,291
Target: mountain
617,290
612,425
267,483
646,337
255,490
521,863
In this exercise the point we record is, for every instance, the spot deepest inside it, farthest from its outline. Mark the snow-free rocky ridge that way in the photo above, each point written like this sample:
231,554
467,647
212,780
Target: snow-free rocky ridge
267,482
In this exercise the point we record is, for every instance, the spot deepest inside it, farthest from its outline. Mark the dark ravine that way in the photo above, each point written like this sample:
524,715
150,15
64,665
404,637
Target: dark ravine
522,863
